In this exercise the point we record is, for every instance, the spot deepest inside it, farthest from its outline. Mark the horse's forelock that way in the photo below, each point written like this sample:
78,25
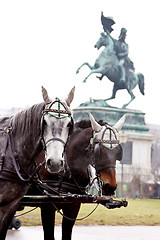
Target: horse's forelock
83,124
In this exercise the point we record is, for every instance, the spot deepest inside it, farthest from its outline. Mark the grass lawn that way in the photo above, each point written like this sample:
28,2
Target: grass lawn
138,212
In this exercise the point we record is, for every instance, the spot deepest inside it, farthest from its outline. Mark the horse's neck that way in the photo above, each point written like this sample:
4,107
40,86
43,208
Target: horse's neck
26,132
109,48
77,155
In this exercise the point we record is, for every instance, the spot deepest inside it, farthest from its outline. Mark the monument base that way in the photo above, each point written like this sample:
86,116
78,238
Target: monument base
134,118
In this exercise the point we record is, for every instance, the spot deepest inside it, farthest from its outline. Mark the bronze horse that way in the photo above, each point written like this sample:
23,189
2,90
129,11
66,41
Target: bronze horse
98,146
108,65
22,138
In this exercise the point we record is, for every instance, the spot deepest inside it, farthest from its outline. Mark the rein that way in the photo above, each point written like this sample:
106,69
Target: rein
71,219
74,219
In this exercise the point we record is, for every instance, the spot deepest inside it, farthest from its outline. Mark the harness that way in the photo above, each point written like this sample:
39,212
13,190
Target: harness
19,174
94,147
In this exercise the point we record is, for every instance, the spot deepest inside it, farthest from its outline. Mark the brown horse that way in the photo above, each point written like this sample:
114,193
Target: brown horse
97,145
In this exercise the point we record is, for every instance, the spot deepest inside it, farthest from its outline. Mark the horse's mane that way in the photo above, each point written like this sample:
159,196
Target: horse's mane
83,124
28,120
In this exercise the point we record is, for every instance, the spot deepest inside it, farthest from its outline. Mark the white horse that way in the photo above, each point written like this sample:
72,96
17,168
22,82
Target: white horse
21,138
58,117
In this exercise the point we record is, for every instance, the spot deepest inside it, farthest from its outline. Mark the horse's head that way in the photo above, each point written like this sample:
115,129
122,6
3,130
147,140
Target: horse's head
102,41
57,124
106,150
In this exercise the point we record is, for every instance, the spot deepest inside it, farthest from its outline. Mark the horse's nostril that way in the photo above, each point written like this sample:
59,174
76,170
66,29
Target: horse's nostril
49,162
108,189
62,163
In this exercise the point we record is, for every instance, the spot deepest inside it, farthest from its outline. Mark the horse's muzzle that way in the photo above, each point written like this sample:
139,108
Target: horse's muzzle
55,167
96,47
108,190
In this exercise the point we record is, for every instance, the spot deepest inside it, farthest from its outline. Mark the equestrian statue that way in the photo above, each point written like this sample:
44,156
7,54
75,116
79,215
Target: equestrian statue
114,63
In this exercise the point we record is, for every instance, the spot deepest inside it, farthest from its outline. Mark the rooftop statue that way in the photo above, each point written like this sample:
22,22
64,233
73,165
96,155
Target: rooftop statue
114,63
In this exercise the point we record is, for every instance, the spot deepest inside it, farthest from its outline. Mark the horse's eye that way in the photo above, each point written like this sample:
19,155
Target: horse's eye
44,123
69,124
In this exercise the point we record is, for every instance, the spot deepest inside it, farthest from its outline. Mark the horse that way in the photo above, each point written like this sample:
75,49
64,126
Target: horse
22,137
90,143
108,65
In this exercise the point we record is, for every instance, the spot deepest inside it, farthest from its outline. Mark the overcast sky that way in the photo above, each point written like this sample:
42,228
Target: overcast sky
44,42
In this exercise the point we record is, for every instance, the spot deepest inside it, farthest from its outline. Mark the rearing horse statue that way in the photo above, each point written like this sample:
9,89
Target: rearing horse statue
108,65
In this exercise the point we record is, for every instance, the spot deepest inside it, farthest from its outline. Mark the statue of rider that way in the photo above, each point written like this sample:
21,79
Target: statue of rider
121,48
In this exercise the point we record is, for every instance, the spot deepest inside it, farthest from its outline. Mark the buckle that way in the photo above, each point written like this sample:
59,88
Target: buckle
8,129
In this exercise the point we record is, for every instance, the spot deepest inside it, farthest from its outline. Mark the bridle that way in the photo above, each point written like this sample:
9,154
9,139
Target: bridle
56,113
96,144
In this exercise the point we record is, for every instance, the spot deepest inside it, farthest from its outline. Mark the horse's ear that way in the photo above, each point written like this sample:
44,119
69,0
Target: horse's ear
120,123
103,34
45,95
70,96
95,126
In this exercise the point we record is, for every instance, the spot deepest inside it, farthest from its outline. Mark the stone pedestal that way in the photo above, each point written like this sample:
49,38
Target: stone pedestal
134,136
134,118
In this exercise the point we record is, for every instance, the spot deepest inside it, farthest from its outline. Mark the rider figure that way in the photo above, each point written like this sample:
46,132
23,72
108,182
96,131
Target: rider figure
121,48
